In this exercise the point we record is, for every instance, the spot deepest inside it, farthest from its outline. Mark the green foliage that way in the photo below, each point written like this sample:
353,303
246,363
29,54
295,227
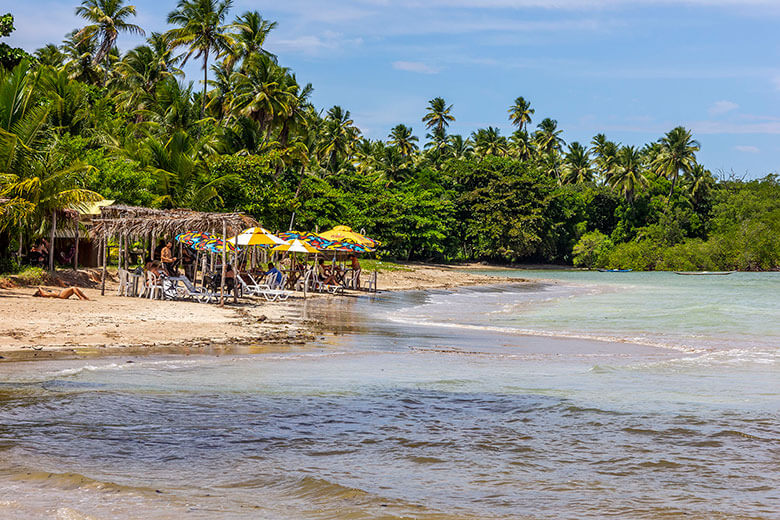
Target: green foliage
9,56
84,119
591,248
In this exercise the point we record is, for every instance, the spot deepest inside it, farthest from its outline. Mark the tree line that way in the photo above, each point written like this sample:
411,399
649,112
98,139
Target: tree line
80,121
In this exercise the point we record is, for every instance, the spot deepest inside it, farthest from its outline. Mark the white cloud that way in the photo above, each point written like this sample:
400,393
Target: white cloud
415,66
747,149
722,107
313,44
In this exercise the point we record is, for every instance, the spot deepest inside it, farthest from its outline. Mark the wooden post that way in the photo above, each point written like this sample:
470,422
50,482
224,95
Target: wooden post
119,253
76,252
105,266
51,245
224,265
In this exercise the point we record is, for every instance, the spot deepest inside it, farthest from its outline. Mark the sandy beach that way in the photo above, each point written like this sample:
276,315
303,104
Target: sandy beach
41,328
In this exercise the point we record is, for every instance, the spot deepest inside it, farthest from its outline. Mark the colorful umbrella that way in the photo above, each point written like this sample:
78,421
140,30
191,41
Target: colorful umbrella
345,234
296,246
322,243
214,245
191,237
256,236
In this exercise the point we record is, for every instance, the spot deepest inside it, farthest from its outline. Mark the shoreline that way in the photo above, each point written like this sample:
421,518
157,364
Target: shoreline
47,329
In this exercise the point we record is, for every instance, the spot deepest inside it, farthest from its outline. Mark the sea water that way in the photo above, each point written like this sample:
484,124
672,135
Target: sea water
574,395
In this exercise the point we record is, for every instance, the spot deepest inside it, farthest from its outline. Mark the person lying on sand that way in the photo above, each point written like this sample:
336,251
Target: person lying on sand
62,295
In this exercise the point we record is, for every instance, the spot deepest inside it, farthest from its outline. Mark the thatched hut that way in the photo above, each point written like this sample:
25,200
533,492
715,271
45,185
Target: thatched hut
127,223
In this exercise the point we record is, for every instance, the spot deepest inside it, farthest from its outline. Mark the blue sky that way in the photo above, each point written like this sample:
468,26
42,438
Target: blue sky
632,69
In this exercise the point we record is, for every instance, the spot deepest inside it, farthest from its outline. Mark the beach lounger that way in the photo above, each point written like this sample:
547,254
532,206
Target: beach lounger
275,289
249,285
188,290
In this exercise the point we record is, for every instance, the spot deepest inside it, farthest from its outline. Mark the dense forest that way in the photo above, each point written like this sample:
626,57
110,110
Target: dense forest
80,121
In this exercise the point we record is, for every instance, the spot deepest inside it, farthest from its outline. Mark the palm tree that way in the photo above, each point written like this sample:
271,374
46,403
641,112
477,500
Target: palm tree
339,137
576,169
401,137
50,55
698,183
548,137
522,145
439,115
605,156
437,140
249,38
201,30
108,19
489,141
520,113
79,58
459,147
265,93
141,71
627,175
677,154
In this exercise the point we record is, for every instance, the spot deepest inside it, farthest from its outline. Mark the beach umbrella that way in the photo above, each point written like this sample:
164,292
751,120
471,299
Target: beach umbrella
345,234
256,236
296,246
191,237
214,245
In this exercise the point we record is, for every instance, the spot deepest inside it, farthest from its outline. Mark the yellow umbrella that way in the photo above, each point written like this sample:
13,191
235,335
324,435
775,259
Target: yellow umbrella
345,234
296,246
256,236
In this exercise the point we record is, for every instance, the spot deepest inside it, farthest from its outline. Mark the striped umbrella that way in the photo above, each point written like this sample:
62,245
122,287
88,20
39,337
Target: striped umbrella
345,234
256,236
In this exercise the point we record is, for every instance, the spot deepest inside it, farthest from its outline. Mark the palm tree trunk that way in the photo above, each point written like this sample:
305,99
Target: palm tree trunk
671,191
205,82
51,245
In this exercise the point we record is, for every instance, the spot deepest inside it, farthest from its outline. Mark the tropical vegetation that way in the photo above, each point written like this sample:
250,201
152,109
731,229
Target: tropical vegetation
81,120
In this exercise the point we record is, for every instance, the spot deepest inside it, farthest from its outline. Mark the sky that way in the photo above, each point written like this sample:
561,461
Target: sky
632,69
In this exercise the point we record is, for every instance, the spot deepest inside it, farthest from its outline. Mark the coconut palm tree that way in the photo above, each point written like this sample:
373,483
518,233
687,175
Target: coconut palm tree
50,55
265,92
109,18
520,113
201,31
677,154
251,31
402,138
338,137
489,141
548,136
698,183
576,168
605,156
439,115
459,148
141,71
79,59
522,145
437,140
627,174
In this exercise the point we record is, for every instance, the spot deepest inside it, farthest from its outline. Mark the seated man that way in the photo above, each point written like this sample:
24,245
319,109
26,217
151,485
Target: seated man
355,270
168,260
274,275
62,295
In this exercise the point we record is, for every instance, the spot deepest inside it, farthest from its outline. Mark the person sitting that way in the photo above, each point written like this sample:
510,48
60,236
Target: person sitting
67,257
36,256
273,275
355,270
168,260
62,295
323,273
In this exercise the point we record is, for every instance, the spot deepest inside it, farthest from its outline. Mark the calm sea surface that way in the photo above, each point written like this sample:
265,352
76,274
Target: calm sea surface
579,395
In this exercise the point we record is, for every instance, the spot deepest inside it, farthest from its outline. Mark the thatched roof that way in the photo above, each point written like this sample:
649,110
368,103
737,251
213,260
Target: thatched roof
136,221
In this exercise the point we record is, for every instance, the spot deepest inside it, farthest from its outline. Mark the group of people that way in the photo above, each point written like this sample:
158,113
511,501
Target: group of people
333,274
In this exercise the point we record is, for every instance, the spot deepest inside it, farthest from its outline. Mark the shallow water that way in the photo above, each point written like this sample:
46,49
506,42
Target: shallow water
427,405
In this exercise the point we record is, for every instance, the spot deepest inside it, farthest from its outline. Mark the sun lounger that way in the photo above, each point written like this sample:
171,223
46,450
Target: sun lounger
249,285
275,289
189,290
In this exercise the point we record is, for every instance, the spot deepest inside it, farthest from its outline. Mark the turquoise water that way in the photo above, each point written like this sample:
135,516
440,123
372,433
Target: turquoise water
481,403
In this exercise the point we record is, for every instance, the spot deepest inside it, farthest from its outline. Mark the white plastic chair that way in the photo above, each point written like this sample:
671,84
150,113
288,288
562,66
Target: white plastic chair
153,288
